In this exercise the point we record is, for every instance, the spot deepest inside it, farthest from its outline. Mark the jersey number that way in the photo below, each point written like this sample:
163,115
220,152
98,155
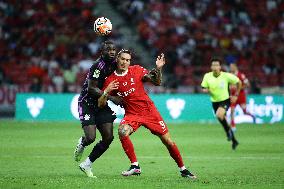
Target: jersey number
163,125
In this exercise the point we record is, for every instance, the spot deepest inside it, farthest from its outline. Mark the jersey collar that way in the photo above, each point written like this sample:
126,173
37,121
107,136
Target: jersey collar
123,74
218,75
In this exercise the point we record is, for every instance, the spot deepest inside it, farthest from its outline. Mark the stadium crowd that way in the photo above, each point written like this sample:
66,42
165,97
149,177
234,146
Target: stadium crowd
249,33
50,43
47,45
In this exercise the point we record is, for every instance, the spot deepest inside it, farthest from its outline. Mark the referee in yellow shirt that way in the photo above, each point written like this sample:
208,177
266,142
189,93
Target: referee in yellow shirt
216,83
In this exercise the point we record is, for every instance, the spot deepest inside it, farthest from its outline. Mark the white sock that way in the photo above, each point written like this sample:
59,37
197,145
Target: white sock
135,163
182,168
88,161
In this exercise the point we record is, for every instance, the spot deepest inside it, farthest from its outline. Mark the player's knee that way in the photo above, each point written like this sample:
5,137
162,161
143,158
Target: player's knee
108,140
90,138
220,116
123,131
169,143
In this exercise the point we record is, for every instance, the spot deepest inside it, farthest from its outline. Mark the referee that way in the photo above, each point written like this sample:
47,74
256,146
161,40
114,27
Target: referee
216,83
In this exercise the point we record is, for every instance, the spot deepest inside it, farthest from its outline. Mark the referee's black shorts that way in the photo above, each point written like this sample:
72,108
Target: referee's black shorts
224,104
90,114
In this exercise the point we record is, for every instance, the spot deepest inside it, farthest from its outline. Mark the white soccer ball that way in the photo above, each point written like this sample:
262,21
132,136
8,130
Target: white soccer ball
102,26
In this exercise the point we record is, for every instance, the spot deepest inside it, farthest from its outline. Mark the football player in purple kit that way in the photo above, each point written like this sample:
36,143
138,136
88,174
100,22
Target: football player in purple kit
92,117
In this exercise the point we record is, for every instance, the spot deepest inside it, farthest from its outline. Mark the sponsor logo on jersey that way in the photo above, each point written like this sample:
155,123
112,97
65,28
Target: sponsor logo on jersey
96,74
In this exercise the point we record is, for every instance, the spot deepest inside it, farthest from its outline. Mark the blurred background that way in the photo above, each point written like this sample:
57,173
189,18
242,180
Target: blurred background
48,46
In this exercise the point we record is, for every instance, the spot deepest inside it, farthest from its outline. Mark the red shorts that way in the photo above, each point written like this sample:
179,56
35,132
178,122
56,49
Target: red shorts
241,100
153,121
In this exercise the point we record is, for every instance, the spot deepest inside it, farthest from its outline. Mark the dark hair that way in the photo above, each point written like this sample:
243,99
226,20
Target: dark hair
124,51
103,44
216,59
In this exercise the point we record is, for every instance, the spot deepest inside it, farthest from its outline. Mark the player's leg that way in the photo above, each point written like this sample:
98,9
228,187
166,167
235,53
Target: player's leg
104,120
90,135
124,130
89,138
221,116
175,154
244,108
106,130
86,115
233,125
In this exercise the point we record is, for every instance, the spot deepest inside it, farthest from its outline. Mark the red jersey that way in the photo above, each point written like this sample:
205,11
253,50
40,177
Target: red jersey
131,89
244,81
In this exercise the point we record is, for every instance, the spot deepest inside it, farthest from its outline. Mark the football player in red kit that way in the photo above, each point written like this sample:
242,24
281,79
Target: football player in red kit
241,96
127,82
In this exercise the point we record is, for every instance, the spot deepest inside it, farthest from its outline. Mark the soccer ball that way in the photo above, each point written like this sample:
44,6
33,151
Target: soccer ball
102,26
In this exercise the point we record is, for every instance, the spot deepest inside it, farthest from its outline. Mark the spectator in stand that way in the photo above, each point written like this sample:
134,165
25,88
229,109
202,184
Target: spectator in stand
36,86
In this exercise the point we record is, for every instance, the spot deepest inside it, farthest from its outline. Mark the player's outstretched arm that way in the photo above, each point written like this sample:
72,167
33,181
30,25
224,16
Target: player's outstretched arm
104,97
155,75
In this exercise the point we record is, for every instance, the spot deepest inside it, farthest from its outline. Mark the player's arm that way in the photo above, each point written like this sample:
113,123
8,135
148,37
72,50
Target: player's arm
205,85
105,96
239,87
155,75
93,79
236,81
245,83
93,90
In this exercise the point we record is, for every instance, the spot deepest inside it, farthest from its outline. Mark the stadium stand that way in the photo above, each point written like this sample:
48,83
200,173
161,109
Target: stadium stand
53,40
191,32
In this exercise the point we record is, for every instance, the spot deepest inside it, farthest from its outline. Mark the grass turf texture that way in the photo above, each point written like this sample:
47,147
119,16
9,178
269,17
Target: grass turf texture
40,155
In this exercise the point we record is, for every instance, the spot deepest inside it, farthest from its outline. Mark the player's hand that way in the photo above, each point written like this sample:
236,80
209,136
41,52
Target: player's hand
160,62
112,86
154,72
233,99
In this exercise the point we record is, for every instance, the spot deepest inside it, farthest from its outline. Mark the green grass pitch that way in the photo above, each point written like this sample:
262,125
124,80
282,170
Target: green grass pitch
40,155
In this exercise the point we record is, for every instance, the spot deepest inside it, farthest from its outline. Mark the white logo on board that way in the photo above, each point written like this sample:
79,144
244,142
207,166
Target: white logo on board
74,106
35,105
175,106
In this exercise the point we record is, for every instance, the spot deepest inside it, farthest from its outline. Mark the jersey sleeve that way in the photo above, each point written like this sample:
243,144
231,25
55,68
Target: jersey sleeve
95,72
140,71
204,82
232,79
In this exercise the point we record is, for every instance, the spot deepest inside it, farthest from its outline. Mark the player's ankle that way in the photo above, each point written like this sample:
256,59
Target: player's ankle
182,168
135,163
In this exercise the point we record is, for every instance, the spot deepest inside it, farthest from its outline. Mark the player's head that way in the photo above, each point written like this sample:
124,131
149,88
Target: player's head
108,50
123,60
216,65
233,68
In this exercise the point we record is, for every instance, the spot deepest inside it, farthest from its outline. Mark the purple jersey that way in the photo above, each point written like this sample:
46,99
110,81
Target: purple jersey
98,71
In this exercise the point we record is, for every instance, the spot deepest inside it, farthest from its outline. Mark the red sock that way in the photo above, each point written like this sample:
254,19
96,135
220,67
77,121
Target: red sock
128,148
233,123
175,154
